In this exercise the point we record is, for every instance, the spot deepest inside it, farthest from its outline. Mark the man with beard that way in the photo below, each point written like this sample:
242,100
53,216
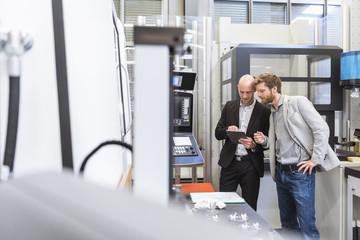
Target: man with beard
298,141
243,163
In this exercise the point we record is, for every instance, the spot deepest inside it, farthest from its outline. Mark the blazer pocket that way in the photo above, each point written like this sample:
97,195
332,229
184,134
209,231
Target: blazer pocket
293,115
296,121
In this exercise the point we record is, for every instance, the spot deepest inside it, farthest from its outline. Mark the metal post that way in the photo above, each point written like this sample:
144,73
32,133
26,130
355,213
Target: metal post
153,118
288,12
207,81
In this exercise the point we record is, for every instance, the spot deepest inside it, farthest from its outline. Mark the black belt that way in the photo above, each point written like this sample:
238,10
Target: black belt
241,158
287,167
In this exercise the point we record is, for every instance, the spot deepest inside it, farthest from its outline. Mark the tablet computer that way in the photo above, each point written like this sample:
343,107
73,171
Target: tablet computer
235,135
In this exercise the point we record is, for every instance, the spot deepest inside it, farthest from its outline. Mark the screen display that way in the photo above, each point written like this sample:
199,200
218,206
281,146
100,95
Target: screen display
177,80
357,132
182,111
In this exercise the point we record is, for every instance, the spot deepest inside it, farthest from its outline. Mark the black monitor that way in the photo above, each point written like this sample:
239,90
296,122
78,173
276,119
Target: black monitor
183,112
184,80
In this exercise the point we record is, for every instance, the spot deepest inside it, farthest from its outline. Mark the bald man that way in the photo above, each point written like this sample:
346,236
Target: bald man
242,163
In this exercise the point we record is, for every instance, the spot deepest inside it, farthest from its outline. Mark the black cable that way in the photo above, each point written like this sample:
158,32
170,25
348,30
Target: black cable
12,124
82,168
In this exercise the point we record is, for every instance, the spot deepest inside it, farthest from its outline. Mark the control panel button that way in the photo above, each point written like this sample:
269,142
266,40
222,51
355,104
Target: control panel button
182,151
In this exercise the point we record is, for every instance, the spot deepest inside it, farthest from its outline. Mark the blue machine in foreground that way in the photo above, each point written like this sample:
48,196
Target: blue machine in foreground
350,72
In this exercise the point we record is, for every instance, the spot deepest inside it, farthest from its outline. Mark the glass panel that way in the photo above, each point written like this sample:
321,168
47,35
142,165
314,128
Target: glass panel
310,12
290,65
334,29
226,69
320,66
320,92
274,13
294,88
226,93
338,123
306,11
283,65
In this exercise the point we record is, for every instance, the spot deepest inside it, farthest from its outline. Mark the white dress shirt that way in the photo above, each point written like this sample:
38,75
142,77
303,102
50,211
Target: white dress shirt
244,118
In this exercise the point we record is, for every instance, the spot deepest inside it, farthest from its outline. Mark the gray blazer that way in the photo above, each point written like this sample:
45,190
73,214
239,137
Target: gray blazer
308,129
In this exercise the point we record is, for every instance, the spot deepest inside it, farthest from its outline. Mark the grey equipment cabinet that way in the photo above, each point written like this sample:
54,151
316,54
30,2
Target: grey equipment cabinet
309,70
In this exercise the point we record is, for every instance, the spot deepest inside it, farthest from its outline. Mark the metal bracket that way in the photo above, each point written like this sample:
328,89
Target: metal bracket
170,36
15,46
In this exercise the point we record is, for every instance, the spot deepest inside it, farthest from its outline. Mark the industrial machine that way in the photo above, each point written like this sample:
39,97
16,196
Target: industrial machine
350,72
168,126
73,94
309,70
312,71
183,144
350,79
185,148
186,152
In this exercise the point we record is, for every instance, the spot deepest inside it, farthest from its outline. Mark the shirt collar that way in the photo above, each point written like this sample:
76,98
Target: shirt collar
250,106
281,101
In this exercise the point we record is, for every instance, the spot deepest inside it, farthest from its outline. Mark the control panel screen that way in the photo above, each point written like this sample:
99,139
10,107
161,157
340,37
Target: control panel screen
182,111
357,132
183,147
177,81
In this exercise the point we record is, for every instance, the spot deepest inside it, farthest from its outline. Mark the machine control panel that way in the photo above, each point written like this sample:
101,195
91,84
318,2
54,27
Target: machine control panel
184,151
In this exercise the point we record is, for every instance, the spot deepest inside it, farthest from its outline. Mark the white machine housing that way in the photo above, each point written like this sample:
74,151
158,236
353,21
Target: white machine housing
99,102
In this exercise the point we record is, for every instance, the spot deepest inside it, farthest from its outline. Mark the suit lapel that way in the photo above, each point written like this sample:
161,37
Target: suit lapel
285,112
271,144
254,114
286,105
236,110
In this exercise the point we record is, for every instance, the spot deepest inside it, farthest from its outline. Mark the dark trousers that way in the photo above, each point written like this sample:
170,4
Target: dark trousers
244,173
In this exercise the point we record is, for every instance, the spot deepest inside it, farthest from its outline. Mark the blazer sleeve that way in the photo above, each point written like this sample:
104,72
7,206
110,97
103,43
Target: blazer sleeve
221,127
264,128
319,129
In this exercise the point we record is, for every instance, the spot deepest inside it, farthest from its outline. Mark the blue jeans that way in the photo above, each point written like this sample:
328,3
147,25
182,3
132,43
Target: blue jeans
296,201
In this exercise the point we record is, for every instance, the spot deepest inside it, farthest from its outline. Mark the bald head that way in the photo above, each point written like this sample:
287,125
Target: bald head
246,89
247,80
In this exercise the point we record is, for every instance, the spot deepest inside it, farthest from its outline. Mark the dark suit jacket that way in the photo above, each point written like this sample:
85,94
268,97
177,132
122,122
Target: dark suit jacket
259,121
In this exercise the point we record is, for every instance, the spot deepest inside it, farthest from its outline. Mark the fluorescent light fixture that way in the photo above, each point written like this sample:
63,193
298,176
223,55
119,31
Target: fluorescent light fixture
314,10
310,19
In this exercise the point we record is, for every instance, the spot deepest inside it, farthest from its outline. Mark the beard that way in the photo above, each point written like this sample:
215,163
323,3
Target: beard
268,99
248,101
